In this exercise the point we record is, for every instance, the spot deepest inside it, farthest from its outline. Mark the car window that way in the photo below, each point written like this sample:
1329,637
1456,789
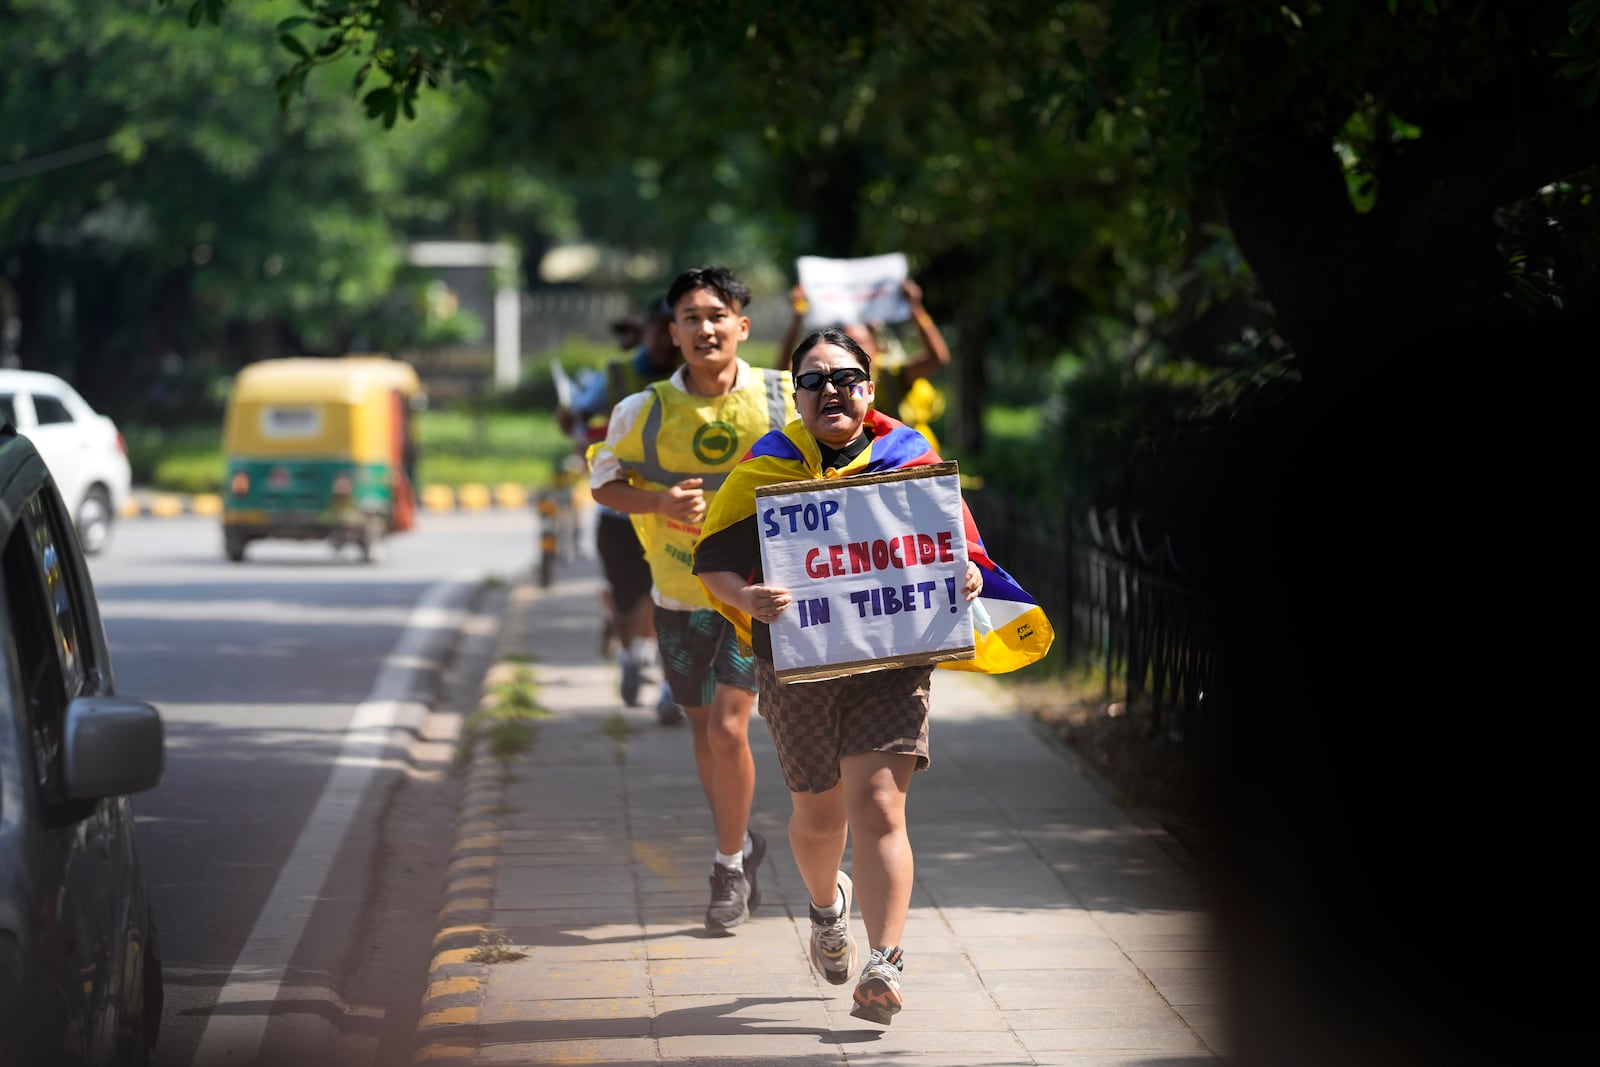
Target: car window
8,408
47,622
286,421
49,410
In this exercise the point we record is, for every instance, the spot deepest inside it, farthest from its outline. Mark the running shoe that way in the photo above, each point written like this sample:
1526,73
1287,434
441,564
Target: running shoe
730,898
758,852
632,676
877,997
667,711
833,950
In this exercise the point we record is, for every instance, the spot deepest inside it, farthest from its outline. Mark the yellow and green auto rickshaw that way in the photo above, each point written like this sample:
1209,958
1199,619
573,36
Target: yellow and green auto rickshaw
320,449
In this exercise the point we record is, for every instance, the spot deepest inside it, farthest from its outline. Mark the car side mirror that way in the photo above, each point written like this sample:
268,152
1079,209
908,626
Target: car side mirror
113,746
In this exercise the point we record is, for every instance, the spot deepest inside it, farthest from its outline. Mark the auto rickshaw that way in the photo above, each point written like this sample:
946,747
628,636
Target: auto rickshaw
320,449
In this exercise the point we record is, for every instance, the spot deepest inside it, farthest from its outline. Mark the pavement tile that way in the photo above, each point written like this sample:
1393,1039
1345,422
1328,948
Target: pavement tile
555,946
1190,986
684,1016
1150,960
1127,1058
1046,922
514,1048
549,894
1174,1039
576,916
1141,943
1104,1017
732,982
1021,952
510,989
914,1040
1014,1057
1080,989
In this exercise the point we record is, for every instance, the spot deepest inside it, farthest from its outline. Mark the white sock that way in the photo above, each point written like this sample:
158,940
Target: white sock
734,862
640,649
749,843
832,911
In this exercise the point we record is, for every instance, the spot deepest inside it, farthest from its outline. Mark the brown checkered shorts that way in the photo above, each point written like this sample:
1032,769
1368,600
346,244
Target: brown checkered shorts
814,724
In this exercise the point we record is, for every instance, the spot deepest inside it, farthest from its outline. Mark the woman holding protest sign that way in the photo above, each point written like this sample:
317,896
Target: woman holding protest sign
848,745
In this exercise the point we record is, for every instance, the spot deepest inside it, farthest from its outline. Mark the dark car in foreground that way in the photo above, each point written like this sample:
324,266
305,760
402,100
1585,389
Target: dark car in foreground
80,971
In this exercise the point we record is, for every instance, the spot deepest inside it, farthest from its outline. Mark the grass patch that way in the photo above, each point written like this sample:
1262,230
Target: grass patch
495,948
183,459
459,447
619,729
454,448
506,719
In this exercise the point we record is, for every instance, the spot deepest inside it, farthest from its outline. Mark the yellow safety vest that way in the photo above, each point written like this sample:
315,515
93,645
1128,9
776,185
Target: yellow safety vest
680,436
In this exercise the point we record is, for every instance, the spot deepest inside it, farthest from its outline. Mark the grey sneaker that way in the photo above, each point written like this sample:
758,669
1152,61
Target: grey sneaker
877,996
833,950
667,711
632,676
758,852
730,898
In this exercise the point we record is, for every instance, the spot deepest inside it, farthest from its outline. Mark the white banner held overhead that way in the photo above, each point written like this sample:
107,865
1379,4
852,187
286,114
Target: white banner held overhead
843,291
564,387
875,566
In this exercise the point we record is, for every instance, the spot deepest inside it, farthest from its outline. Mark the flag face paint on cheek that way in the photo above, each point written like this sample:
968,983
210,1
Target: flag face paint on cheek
858,391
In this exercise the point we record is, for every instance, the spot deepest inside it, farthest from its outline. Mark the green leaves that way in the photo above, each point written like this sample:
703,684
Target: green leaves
204,11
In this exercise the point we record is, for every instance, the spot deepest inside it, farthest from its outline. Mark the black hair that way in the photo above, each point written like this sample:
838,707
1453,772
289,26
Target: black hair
830,335
719,280
660,308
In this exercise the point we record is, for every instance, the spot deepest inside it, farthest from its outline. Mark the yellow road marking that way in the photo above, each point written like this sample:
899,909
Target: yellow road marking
438,498
508,495
449,987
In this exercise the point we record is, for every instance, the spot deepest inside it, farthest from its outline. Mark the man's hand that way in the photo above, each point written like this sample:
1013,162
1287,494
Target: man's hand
913,293
684,502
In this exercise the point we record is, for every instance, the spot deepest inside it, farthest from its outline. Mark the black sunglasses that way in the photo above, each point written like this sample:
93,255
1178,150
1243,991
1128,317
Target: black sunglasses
843,378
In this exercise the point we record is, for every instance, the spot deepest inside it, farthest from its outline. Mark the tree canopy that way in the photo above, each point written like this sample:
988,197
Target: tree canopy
155,199
1044,164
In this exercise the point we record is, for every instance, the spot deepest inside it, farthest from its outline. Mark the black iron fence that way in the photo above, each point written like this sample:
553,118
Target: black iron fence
1119,599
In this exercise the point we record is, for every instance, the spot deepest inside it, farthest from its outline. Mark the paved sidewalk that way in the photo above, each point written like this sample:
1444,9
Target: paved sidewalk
1046,926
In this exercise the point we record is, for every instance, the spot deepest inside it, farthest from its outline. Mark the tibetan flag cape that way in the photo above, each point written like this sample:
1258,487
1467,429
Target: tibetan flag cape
1010,629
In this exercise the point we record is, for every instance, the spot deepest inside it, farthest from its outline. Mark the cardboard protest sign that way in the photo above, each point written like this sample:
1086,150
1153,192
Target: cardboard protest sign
875,565
853,290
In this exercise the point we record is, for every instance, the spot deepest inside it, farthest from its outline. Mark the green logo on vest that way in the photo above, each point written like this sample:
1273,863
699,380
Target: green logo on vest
714,443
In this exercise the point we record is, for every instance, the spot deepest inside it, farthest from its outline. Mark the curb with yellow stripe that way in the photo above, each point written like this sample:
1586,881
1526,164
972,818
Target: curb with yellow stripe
447,1028
505,496
448,1025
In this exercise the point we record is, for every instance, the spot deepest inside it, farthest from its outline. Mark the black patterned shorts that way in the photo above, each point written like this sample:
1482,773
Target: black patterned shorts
622,558
814,724
700,649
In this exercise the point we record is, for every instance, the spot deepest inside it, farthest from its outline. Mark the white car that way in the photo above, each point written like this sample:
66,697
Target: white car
83,449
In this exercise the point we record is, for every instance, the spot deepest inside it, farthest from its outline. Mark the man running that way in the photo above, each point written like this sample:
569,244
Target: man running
666,452
621,556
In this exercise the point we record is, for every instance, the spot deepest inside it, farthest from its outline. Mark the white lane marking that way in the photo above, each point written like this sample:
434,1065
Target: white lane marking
234,1036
